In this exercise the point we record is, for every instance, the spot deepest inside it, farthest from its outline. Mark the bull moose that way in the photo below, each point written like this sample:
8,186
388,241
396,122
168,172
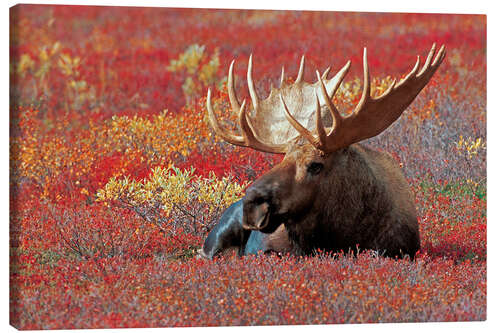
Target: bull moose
329,191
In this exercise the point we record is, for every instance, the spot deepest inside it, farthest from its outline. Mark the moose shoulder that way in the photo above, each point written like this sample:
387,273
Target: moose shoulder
329,191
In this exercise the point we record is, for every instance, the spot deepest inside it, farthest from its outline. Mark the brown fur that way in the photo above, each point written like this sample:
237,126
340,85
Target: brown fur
278,241
360,198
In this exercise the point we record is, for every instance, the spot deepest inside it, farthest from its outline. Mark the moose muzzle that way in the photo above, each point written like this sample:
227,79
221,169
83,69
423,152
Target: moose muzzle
256,215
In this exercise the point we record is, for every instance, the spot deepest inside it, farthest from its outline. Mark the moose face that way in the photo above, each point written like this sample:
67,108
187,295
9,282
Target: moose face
290,189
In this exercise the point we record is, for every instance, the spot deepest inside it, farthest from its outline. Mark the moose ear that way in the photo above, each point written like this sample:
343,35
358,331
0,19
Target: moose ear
255,216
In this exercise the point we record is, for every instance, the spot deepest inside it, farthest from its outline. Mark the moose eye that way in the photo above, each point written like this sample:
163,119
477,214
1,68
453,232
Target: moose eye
314,168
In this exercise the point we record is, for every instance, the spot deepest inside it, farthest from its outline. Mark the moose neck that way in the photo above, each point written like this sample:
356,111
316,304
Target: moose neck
351,205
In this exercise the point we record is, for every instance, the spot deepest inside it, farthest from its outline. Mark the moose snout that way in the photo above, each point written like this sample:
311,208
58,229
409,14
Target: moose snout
256,210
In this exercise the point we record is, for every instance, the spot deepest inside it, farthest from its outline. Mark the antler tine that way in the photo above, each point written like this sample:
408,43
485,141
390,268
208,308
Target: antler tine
338,78
337,118
242,117
251,87
229,137
282,79
439,57
366,84
415,68
325,73
320,128
411,74
429,58
248,132
235,104
300,75
301,129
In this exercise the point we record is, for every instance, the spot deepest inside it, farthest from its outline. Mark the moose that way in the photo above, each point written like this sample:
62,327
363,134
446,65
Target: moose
329,192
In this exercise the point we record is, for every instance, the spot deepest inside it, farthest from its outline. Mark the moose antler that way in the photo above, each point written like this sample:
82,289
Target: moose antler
249,138
268,130
370,117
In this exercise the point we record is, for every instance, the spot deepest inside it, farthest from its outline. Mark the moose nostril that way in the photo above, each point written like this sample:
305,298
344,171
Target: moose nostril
262,215
259,200
255,211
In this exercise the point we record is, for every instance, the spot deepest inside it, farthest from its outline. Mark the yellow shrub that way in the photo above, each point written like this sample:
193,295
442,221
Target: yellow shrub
170,195
469,146
200,71
218,193
163,137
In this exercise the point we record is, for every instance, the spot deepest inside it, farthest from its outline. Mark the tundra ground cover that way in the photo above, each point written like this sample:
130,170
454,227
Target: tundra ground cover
116,177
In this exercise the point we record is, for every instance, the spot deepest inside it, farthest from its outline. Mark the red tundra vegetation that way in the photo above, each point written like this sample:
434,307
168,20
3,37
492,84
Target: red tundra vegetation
116,177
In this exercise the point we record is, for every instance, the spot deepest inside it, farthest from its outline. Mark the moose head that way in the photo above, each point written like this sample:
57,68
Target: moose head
329,191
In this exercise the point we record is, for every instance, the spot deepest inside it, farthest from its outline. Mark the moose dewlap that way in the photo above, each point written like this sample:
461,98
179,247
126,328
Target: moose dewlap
329,191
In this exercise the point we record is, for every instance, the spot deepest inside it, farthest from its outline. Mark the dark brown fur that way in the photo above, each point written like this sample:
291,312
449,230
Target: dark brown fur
359,199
